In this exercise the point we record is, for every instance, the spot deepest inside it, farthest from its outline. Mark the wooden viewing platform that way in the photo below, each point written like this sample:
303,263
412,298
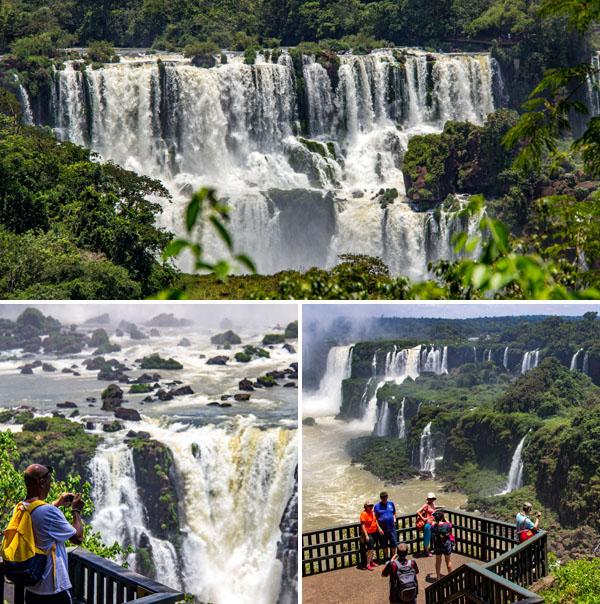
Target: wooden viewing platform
490,567
97,580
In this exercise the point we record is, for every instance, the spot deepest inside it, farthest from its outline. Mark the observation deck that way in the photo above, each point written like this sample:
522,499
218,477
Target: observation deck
489,565
97,580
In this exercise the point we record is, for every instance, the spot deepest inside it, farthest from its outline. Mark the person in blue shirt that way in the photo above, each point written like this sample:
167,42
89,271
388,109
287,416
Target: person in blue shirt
385,512
524,523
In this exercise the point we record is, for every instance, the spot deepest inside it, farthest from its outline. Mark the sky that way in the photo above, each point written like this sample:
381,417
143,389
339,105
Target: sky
446,310
202,313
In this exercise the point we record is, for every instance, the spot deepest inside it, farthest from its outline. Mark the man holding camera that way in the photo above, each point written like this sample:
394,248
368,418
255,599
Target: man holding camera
525,527
51,529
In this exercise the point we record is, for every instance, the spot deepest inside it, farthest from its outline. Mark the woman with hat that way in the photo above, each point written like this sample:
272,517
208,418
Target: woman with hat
425,513
369,528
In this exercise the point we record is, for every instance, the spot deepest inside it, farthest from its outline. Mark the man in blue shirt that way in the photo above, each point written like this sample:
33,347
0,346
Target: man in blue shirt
524,523
50,528
385,512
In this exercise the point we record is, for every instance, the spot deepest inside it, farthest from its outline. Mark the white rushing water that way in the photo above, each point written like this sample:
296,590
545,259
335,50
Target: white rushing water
235,127
530,360
505,358
426,453
328,399
234,480
586,359
401,420
573,365
515,474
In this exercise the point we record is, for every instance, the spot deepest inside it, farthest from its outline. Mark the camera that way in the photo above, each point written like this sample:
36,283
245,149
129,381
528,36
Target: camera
69,499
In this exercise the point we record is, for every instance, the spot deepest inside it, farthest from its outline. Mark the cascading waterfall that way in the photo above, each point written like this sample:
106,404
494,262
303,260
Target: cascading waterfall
505,358
573,366
433,358
474,354
515,474
586,359
401,420
381,424
530,360
328,399
120,514
235,128
234,482
592,87
27,113
426,454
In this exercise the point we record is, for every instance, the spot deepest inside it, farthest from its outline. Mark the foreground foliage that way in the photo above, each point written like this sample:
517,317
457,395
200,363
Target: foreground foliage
577,581
70,227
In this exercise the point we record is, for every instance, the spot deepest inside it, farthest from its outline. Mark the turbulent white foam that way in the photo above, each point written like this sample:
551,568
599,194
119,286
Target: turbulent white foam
233,128
328,399
234,481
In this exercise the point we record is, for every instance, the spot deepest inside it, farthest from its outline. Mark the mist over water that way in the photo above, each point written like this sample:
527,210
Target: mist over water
236,128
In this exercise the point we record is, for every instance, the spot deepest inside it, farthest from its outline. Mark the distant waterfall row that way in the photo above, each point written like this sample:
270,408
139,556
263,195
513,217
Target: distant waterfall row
254,131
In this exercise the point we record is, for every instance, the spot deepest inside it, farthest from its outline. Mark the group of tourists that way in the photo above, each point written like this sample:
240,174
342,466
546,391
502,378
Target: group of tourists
379,532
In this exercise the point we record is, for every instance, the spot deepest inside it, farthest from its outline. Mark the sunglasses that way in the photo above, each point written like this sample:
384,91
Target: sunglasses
50,470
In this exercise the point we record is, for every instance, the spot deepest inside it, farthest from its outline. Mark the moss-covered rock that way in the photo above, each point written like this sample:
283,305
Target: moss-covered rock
155,361
273,338
228,338
58,442
291,331
154,478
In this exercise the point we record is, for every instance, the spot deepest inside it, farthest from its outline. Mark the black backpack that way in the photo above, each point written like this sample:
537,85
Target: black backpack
404,586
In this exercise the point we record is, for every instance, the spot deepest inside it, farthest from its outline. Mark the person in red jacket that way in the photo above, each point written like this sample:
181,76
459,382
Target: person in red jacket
403,576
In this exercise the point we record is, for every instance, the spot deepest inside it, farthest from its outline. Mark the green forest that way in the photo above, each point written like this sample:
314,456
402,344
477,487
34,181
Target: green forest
64,217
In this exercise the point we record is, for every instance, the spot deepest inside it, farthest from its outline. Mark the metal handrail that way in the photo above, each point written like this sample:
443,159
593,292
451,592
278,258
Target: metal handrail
509,567
97,580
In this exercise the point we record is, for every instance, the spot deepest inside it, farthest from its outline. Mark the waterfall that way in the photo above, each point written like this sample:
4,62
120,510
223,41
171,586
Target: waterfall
474,354
445,360
530,360
573,366
234,127
592,87
381,424
27,113
233,481
505,358
401,420
585,364
426,455
120,514
328,399
515,474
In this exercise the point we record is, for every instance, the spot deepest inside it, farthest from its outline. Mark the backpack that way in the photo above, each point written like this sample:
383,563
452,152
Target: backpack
22,562
442,534
404,586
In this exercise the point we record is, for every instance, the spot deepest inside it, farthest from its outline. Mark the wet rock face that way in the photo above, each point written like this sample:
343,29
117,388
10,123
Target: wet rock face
287,550
112,397
153,463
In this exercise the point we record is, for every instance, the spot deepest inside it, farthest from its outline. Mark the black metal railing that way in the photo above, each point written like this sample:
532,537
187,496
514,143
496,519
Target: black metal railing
508,569
99,581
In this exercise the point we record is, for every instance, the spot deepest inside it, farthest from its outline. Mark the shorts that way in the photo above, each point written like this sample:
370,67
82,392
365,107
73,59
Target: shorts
371,540
445,549
62,597
388,539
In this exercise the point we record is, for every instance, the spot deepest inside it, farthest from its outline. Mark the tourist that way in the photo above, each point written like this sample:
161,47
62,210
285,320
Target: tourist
525,527
370,528
426,515
441,533
403,576
50,528
385,512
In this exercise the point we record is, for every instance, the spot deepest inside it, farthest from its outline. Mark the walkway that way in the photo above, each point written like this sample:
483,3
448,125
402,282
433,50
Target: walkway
360,586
